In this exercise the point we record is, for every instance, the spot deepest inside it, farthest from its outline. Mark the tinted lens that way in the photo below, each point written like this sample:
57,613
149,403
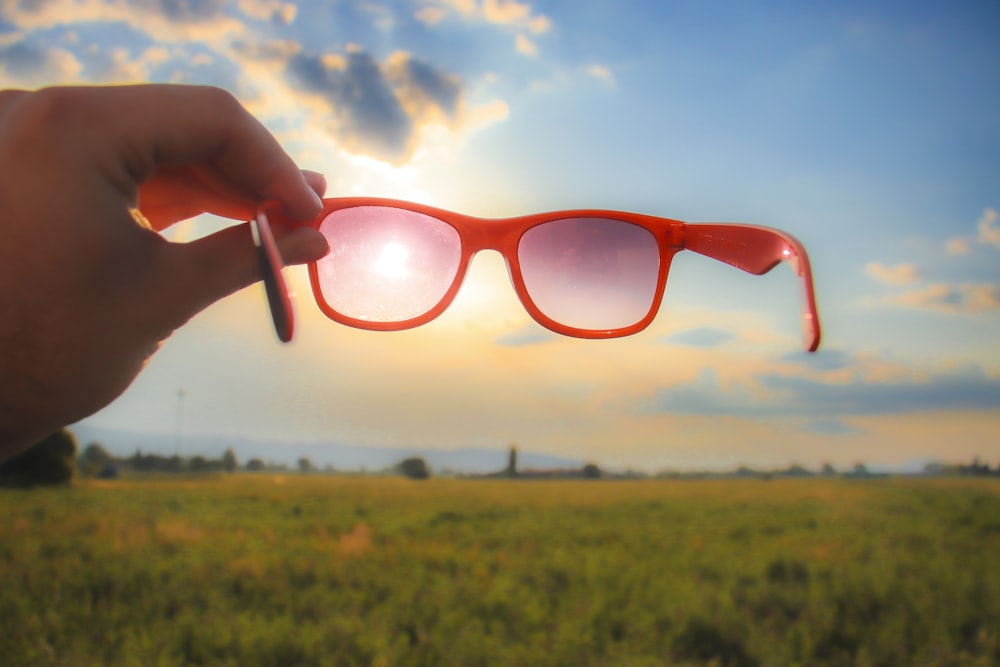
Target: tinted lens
590,273
386,264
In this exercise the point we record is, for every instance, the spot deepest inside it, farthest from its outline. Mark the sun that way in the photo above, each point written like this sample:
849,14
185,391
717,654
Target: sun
391,261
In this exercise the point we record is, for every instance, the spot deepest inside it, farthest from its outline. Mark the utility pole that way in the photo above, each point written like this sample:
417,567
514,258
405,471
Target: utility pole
180,421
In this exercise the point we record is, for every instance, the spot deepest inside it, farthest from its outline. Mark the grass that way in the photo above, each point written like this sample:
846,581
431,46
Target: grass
311,570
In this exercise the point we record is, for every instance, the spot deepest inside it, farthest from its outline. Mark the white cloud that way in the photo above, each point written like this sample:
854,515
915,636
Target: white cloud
989,232
383,17
901,274
539,24
958,246
113,64
496,12
122,68
466,8
963,299
506,11
269,10
201,59
525,46
425,93
385,109
485,114
430,15
601,73
205,21
25,65
951,298
982,298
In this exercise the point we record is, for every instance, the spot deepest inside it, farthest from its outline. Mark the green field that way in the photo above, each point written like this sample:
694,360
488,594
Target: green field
314,570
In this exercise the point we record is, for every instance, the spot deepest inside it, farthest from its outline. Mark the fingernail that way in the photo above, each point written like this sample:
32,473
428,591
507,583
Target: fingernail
316,180
317,183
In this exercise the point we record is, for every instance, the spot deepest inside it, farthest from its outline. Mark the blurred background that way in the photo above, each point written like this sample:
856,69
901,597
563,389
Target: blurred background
869,132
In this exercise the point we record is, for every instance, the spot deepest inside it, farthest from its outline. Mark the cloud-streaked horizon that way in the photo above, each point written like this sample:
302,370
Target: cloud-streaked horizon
962,299
783,395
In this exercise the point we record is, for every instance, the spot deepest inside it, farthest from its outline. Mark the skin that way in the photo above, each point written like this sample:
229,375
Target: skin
87,293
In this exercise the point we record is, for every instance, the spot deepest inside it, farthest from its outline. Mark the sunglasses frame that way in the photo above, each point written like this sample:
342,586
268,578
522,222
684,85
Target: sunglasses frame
753,249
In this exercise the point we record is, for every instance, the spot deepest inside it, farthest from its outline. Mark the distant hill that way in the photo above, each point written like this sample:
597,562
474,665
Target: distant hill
343,457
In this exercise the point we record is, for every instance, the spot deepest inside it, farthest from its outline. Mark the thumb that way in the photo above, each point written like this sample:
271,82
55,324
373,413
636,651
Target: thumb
199,273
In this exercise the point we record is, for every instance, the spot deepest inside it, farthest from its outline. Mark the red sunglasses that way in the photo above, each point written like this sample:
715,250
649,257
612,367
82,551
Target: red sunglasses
589,273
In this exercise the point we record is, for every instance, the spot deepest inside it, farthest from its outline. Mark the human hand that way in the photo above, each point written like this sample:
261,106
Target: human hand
88,291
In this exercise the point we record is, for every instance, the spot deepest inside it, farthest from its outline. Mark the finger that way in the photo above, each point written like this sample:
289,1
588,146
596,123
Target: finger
173,194
178,193
169,125
8,98
300,245
198,273
316,181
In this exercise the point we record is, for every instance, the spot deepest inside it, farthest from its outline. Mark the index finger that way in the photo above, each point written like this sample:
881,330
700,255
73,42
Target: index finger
157,125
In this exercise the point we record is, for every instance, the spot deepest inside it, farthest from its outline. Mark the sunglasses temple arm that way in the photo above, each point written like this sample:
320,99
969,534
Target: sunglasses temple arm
274,281
757,250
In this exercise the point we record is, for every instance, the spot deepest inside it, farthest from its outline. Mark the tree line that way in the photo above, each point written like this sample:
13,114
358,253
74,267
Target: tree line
54,461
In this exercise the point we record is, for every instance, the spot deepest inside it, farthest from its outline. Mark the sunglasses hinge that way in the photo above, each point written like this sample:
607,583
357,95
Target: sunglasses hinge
676,236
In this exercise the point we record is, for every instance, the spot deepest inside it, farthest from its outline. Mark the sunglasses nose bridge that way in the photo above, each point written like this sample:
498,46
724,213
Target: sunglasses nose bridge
497,235
487,234
516,284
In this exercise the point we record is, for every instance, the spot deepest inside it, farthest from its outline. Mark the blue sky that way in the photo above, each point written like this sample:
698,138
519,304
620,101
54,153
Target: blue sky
869,132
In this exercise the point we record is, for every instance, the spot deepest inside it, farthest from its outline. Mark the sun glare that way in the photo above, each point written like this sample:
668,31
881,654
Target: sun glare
391,261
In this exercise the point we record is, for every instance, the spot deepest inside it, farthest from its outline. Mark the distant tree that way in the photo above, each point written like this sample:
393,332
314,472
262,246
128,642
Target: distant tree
229,462
828,470
977,468
154,462
591,471
49,462
795,470
936,468
95,461
255,465
414,468
305,465
512,462
198,463
860,470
